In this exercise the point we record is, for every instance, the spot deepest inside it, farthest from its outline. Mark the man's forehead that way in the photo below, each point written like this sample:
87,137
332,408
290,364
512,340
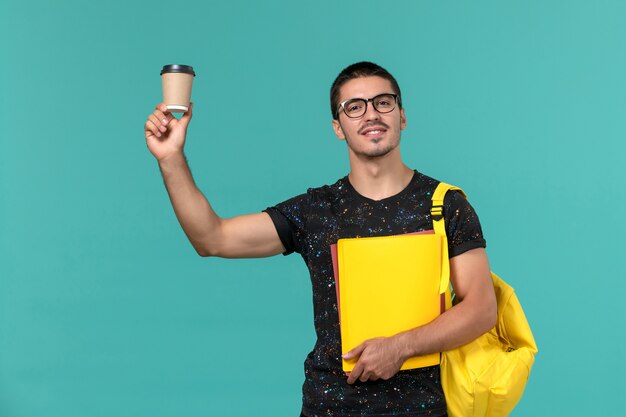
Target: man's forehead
364,87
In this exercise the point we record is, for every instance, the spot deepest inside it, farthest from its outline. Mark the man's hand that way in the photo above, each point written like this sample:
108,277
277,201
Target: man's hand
165,135
378,358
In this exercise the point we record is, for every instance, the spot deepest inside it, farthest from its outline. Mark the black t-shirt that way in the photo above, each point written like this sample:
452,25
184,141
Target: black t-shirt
309,224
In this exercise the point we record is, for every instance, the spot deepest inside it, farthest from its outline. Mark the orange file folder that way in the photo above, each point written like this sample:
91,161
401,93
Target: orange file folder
387,285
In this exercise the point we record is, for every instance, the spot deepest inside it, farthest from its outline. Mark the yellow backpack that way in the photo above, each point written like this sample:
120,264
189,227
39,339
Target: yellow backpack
486,377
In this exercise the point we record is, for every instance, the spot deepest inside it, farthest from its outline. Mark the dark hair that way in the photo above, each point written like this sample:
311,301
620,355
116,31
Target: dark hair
358,70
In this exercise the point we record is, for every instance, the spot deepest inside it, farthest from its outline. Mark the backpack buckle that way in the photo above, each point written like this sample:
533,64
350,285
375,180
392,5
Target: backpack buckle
436,212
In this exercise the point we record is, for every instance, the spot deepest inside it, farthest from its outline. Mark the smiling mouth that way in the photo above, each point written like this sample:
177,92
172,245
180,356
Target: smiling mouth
373,131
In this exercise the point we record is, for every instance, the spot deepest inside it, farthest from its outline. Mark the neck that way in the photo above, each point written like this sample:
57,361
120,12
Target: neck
381,177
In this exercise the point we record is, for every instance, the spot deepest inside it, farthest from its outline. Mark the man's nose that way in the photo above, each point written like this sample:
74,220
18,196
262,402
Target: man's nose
370,112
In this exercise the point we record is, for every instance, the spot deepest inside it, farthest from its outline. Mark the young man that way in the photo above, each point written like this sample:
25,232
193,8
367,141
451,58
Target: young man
380,196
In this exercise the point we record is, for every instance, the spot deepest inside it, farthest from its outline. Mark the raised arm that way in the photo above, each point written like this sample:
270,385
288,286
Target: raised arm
247,236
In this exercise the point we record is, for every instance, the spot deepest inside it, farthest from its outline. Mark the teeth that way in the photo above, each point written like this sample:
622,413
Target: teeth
374,132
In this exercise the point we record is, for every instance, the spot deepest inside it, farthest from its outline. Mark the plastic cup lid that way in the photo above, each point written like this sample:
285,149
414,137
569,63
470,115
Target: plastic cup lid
187,69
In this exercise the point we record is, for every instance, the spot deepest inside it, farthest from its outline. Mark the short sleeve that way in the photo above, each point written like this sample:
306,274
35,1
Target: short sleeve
462,225
289,219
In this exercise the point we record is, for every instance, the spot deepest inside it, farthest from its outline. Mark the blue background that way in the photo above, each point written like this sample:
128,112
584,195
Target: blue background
106,310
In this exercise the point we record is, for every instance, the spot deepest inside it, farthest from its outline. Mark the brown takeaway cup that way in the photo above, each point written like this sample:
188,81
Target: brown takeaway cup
177,80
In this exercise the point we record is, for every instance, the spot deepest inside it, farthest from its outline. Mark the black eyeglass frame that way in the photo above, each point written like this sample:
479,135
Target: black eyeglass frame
342,105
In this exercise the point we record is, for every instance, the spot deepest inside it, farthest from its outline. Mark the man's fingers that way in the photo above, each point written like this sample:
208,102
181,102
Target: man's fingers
163,114
151,129
187,116
163,117
354,352
158,123
355,373
358,368
365,376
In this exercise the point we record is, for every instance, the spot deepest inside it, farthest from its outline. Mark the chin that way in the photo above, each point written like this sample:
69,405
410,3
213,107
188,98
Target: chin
376,153
375,148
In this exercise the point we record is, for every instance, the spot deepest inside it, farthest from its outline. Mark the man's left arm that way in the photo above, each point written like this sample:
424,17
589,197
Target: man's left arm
474,314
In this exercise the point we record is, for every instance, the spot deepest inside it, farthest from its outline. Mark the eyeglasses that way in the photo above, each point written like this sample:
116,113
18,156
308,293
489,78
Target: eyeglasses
356,107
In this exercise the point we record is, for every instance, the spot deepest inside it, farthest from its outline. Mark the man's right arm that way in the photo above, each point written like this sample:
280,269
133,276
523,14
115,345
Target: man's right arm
247,236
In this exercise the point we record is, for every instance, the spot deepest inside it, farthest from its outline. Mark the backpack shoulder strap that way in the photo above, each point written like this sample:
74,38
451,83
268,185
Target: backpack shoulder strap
436,213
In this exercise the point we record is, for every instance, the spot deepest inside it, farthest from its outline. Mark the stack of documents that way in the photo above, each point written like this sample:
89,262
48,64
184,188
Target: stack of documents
386,285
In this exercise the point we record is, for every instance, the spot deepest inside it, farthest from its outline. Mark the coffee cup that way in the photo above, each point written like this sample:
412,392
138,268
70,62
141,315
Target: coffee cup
177,80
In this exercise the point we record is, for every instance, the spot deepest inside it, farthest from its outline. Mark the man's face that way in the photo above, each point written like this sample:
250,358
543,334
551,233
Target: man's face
374,134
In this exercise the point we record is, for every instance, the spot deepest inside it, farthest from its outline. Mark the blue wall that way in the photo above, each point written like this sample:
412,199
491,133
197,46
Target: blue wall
105,310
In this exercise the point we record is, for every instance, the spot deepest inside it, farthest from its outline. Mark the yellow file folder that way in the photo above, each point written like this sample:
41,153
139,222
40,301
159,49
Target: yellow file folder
387,285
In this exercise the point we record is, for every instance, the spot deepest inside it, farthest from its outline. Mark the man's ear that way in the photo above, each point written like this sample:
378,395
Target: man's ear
402,119
338,130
